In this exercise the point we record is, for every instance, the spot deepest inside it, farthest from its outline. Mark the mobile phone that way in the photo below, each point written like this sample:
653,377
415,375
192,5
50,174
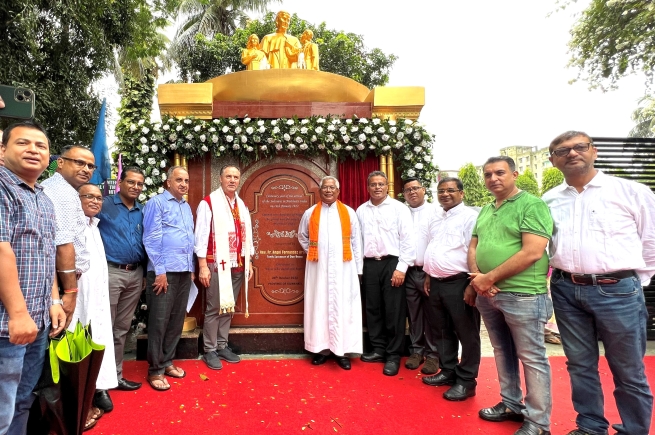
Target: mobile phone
19,102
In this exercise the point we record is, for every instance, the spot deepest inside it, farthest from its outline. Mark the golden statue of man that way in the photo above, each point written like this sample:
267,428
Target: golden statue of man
309,50
251,56
280,48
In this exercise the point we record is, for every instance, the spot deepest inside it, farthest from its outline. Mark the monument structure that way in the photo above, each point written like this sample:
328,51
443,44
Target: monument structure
279,189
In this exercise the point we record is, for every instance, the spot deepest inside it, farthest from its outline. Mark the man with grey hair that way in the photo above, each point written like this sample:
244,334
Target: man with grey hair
330,235
389,248
168,240
223,237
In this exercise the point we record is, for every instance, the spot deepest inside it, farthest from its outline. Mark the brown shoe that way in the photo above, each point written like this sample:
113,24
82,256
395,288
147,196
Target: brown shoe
431,366
414,361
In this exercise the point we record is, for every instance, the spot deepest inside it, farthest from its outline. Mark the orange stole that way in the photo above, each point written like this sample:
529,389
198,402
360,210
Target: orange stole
314,220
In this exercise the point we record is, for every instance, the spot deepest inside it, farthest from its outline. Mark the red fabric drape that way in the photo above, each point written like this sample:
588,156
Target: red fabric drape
352,179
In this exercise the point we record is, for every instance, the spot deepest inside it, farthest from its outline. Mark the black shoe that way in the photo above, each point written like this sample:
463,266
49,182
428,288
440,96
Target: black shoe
344,362
458,392
125,385
372,357
319,359
391,368
102,400
529,428
500,412
438,380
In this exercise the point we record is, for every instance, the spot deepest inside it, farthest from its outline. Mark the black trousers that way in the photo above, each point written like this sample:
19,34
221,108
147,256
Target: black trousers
453,321
165,319
386,307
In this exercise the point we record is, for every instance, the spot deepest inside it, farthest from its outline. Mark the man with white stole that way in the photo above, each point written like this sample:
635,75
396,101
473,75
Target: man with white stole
223,245
330,235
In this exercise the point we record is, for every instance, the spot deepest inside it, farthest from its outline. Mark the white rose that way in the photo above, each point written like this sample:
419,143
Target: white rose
260,122
189,136
246,120
400,135
152,194
337,147
262,129
399,145
376,121
154,148
381,130
142,197
354,129
237,130
361,137
319,130
160,190
202,138
270,140
155,172
215,139
313,138
172,137
408,122
386,148
178,128
363,121
360,146
233,121
321,146
166,127
343,130
173,146
304,130
187,121
144,149
290,122
145,130
336,121
263,148
385,137
143,140
293,130
216,121
348,148
349,121
196,128
273,122
149,181
392,130
291,146
278,146
411,173
133,128
244,139
303,147
345,139
408,157
276,130
236,146
427,158
250,130
152,161
418,149
298,140
392,122
204,148
256,139
229,138
374,139
304,121
139,161
250,149
331,127
141,121
162,164
286,137
409,130
320,121
368,130
212,130
221,148
225,129
330,137
419,166
371,147
417,135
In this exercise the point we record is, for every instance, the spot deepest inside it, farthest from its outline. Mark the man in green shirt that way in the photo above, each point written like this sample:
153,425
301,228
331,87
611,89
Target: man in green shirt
508,257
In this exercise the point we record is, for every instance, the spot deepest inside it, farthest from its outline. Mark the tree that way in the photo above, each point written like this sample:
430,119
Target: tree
527,182
59,49
550,178
341,53
644,118
475,192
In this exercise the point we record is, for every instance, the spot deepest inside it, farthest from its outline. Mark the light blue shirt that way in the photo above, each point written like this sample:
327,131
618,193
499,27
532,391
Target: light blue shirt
168,234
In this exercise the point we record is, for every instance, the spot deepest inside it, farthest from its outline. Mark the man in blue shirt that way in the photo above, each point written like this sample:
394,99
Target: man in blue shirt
168,239
29,297
121,229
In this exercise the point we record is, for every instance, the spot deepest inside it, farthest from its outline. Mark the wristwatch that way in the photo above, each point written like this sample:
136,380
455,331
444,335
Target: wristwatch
57,302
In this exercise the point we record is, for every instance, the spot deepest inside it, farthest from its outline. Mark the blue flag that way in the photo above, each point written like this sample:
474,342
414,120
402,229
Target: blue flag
100,150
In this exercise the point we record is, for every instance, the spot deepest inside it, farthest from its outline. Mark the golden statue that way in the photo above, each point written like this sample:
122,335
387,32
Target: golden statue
251,56
281,49
309,50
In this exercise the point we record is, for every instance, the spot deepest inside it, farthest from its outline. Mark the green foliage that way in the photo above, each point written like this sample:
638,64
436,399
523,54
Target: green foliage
612,39
550,178
644,118
475,192
59,49
527,182
341,53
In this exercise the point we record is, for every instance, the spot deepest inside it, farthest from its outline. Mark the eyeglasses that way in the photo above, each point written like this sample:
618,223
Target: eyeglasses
80,163
91,197
133,183
374,185
442,191
578,148
413,189
329,188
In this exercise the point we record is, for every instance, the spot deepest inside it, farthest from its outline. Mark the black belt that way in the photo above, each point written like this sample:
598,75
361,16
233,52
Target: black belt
132,266
588,279
384,257
461,275
418,268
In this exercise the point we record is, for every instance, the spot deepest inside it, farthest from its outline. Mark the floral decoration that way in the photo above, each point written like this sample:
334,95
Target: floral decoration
152,144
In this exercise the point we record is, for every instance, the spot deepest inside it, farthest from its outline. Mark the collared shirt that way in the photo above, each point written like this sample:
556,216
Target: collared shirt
448,235
122,231
27,223
387,229
500,235
609,226
70,218
168,234
420,218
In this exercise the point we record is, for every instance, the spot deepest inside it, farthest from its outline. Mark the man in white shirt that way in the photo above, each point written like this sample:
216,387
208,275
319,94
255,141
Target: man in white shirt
602,252
389,249
451,313
223,245
423,345
329,233
75,167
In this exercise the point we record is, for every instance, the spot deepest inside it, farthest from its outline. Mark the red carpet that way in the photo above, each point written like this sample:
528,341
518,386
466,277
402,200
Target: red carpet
292,396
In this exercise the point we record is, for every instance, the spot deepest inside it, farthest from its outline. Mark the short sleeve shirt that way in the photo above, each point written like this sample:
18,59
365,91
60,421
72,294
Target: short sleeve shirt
499,233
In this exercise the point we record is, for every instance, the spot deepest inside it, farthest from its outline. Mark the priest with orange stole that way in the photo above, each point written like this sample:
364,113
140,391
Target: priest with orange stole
330,235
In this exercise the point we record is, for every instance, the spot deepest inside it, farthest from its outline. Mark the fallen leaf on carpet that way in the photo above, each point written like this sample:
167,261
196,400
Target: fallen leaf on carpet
203,377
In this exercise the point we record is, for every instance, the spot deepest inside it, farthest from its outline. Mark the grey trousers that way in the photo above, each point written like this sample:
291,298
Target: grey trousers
420,333
217,326
124,293
166,319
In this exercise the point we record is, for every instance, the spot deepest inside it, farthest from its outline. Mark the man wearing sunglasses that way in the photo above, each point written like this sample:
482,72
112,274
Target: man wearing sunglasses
602,252
75,166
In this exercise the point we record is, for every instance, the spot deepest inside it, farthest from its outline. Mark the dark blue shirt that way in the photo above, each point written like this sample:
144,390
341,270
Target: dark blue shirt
121,230
27,223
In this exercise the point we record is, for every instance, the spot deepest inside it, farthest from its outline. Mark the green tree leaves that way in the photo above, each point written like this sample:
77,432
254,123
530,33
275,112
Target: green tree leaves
550,178
475,192
527,182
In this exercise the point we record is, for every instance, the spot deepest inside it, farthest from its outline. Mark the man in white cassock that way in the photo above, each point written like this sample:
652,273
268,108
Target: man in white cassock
330,235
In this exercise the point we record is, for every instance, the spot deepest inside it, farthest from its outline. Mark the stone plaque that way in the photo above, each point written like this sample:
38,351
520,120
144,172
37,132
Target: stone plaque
277,196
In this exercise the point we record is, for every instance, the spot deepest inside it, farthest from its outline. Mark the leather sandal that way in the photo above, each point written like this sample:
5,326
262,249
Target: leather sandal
170,371
154,378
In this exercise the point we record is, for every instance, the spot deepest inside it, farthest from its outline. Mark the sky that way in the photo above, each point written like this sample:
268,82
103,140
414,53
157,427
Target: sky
495,71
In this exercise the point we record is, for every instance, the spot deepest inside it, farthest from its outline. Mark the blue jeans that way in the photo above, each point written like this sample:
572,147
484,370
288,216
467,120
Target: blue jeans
617,315
20,370
516,331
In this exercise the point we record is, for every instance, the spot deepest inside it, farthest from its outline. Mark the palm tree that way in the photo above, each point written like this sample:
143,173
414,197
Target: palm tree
209,17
